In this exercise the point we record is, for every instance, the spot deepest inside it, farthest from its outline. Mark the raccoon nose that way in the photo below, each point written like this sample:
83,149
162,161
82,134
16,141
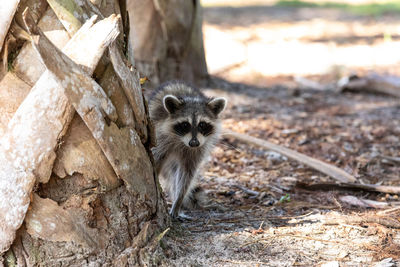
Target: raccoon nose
194,142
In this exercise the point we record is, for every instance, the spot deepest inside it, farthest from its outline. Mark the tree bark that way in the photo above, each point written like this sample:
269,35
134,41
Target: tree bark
97,200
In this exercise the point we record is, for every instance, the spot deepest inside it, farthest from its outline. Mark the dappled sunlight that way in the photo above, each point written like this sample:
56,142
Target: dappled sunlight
250,45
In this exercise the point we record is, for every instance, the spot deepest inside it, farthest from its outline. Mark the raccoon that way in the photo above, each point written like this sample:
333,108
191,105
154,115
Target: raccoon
187,128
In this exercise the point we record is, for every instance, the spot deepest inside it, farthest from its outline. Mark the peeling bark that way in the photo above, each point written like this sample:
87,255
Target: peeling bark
7,12
24,153
46,220
130,83
12,92
27,66
122,147
81,154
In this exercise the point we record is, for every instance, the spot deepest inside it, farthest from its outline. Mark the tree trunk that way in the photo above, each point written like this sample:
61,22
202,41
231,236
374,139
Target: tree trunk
94,197
167,40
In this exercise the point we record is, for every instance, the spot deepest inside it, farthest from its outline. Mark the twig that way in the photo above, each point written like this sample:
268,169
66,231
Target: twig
383,212
394,159
353,226
376,188
385,221
240,219
244,262
295,236
293,217
330,170
247,191
160,236
365,203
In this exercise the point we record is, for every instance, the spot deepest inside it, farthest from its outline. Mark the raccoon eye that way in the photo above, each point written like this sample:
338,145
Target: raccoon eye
205,128
182,128
185,125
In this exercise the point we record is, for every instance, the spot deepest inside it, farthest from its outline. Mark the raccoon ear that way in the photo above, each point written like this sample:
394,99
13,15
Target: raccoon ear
171,103
217,105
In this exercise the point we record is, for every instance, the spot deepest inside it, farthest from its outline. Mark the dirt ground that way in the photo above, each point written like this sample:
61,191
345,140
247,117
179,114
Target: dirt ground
268,216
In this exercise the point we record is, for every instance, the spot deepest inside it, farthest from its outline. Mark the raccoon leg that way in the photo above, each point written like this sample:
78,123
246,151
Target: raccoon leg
181,185
159,158
195,198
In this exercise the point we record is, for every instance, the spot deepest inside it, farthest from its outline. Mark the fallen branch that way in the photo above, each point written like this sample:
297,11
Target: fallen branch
362,202
351,186
248,191
294,236
394,159
375,188
385,221
330,170
389,85
335,218
392,210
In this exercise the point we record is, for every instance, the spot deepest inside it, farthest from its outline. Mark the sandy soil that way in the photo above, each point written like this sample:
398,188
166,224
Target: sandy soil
266,216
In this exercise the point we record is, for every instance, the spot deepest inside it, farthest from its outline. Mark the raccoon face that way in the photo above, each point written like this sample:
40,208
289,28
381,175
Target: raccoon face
194,121
194,131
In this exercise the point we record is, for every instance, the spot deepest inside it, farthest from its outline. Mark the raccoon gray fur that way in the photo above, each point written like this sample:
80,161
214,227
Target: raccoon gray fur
187,128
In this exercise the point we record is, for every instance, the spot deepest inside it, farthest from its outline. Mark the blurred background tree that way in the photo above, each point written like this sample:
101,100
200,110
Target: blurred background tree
166,40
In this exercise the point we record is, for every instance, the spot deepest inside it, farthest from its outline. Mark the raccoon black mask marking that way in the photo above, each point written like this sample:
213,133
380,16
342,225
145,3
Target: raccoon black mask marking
187,128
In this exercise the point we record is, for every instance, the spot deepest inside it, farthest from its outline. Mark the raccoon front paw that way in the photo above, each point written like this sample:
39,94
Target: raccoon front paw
181,217
184,217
